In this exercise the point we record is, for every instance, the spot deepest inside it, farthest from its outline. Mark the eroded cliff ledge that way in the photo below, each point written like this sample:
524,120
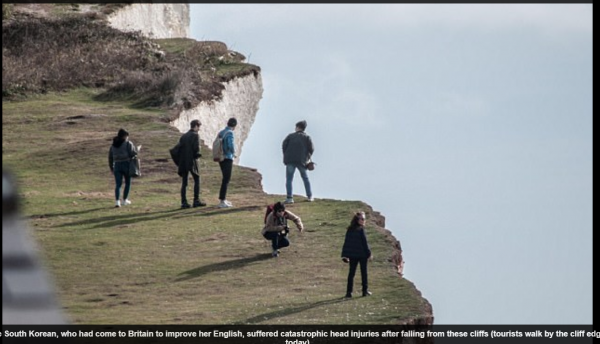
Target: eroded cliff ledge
240,99
240,96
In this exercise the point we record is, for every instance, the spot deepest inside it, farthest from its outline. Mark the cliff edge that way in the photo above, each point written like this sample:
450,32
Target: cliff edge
112,266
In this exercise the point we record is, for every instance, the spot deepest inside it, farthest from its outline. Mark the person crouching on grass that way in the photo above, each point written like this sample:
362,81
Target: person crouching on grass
276,228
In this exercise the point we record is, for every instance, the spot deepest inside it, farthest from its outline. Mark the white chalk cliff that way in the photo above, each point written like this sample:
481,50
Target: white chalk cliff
240,100
153,20
241,95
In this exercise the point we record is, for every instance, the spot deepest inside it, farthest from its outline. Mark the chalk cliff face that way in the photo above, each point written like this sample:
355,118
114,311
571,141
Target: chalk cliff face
241,95
153,20
240,100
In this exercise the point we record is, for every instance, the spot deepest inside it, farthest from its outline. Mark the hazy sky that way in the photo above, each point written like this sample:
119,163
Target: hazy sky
469,126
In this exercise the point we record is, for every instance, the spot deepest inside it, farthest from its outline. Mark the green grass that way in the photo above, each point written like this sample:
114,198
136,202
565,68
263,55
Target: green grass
176,45
152,263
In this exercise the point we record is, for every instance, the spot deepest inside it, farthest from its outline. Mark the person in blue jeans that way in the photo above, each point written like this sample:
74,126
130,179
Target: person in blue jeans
119,157
297,151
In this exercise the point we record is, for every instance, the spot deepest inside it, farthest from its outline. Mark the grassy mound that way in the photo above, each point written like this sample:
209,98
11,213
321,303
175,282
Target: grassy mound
49,54
152,263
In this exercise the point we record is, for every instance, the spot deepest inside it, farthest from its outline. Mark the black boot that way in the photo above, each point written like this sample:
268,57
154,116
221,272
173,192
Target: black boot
197,203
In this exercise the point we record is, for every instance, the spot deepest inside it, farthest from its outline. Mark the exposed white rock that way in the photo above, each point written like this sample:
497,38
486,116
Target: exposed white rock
241,95
153,20
240,100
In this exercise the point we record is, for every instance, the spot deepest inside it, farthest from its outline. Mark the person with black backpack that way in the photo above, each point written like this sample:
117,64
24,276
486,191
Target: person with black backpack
186,154
276,228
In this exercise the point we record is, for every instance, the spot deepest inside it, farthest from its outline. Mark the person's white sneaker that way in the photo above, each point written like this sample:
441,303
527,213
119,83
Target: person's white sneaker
310,199
224,205
289,201
117,204
228,203
126,202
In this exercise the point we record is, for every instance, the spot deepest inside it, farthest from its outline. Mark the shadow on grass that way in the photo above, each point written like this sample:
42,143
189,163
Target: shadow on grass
288,311
221,211
119,220
40,216
223,266
129,218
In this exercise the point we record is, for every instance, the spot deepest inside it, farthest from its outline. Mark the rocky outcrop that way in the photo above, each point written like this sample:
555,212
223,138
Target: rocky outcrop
426,319
396,257
241,95
153,20
239,99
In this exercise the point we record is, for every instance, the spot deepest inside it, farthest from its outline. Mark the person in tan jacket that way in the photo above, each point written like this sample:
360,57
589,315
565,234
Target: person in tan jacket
276,228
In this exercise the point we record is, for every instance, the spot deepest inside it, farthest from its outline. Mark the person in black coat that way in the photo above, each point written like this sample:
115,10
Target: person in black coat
356,250
189,164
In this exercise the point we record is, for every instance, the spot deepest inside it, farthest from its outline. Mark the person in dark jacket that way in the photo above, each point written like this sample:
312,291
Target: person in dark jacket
356,250
297,151
189,153
119,157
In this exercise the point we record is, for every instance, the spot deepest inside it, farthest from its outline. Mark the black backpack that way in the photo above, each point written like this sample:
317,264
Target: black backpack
175,154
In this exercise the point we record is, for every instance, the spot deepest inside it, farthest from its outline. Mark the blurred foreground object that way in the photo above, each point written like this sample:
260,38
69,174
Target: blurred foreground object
27,294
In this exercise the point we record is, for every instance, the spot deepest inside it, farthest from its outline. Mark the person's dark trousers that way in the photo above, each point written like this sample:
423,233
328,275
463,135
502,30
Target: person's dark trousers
226,168
363,274
184,183
277,240
122,171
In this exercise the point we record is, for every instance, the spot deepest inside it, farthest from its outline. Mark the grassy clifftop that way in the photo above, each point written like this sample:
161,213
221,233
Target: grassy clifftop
152,263
68,85
42,54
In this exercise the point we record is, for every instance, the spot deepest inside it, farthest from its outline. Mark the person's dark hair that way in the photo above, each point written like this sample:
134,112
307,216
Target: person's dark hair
122,133
195,123
301,125
278,207
354,223
232,122
120,138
